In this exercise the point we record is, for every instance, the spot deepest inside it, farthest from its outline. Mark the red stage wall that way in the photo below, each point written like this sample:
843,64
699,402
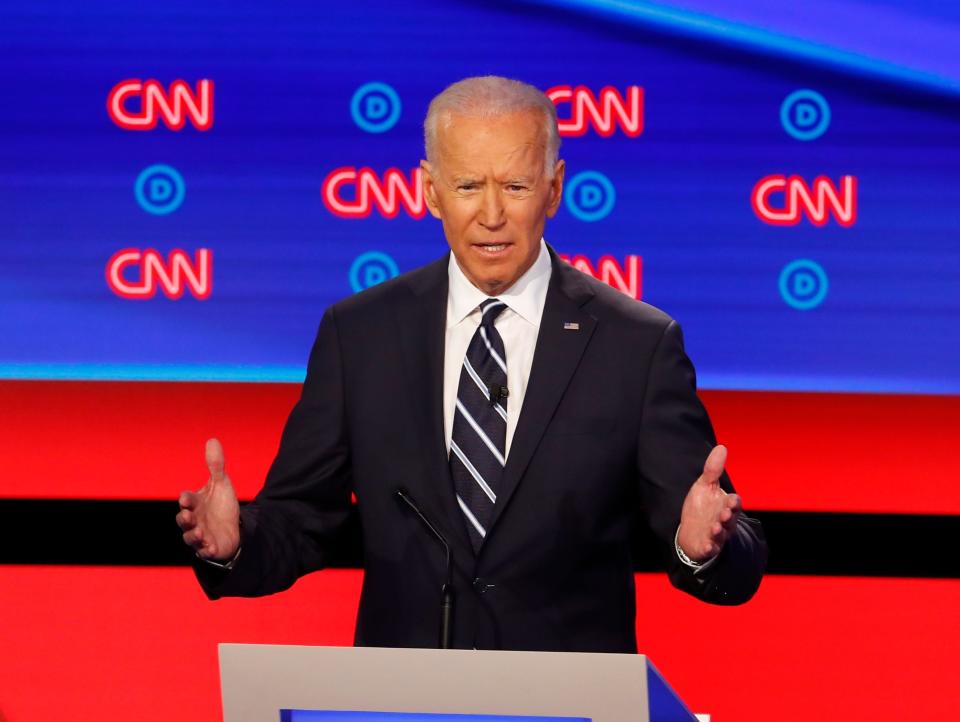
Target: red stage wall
788,451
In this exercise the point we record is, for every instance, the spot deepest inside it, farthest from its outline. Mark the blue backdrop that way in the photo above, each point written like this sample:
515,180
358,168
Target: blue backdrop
867,304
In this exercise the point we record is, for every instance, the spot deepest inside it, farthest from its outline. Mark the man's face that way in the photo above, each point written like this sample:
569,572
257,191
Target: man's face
489,189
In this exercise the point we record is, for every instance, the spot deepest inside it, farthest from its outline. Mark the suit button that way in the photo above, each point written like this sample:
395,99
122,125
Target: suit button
480,586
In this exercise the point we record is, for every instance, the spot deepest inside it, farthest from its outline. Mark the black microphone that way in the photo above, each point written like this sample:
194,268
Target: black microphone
446,591
498,393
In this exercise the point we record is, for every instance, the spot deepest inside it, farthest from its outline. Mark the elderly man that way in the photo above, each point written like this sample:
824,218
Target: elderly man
502,402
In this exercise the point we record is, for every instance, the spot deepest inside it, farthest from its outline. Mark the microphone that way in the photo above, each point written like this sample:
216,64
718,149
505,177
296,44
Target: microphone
498,393
446,591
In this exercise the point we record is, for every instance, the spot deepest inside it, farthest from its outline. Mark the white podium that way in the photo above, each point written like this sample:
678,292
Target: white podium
265,683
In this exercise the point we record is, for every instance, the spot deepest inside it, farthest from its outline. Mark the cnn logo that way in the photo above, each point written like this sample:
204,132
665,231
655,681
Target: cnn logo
604,114
355,193
781,200
626,277
135,274
136,105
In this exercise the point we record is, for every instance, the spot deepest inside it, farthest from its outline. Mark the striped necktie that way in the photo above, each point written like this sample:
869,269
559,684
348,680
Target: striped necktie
478,442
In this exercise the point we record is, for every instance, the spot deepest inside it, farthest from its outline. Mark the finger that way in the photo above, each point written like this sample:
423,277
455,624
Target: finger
215,461
733,502
731,524
206,549
730,513
189,500
186,520
194,537
719,538
713,467
703,550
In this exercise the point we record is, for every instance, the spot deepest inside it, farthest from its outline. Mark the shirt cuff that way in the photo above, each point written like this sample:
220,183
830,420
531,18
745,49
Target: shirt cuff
687,561
222,565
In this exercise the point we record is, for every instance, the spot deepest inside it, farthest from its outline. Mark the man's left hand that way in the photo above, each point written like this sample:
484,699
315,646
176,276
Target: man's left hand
710,514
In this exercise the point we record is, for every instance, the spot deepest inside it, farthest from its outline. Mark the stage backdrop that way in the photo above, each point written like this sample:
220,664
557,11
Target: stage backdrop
186,186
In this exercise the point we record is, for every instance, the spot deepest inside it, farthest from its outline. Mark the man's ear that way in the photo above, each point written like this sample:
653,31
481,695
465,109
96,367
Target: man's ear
556,188
429,188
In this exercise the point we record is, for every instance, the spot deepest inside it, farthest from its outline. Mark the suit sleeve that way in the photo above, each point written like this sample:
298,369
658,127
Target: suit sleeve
675,439
291,524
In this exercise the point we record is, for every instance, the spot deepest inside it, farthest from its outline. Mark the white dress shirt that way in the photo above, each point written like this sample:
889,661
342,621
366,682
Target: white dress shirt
518,325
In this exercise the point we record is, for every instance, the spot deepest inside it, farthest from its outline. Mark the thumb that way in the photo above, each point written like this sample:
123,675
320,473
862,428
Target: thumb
713,467
215,459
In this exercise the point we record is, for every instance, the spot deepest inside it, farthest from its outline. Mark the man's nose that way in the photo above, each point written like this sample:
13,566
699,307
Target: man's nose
491,208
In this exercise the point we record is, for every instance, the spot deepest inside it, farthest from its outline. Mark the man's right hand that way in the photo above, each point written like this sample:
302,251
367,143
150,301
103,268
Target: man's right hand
210,518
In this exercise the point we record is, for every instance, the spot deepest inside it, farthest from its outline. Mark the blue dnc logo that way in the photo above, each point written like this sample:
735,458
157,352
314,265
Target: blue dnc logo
375,107
805,114
590,196
803,284
371,268
159,189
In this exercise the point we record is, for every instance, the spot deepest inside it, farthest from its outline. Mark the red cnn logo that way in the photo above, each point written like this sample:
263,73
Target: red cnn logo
604,114
172,275
627,278
173,107
388,195
817,203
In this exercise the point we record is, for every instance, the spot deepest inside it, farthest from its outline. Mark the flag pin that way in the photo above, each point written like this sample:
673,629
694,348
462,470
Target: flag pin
570,326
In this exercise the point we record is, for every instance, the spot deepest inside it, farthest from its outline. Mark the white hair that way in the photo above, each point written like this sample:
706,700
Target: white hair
491,96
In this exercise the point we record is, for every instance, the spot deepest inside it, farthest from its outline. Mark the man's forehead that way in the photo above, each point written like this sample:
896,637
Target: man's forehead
523,160
510,129
510,142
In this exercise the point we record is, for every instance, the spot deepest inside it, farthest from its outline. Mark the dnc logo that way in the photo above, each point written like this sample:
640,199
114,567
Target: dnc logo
805,114
590,196
375,107
159,189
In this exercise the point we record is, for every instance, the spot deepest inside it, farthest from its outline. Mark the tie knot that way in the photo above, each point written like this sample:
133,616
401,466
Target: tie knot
490,309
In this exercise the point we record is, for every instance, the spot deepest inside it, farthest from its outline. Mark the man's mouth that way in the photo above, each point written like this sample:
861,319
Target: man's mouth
492,248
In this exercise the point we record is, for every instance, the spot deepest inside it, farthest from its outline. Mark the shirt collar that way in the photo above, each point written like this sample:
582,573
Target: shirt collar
526,297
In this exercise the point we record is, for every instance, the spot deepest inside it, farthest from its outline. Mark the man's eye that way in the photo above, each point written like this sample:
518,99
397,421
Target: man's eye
466,187
515,188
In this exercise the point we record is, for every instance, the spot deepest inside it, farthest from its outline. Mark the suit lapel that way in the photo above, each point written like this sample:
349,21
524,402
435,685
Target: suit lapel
423,333
555,359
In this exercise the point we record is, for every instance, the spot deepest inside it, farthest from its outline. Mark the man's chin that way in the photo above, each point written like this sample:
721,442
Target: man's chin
493,284
492,275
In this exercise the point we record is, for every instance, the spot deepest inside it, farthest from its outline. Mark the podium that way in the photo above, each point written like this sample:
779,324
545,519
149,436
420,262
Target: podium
267,683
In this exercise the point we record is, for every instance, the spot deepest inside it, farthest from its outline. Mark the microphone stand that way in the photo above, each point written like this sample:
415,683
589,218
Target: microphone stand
446,591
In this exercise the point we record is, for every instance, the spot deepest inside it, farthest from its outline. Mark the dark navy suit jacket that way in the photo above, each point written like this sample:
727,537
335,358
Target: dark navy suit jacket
611,426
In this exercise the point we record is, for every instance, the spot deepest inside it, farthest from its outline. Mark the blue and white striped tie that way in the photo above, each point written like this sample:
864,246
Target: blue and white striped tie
478,443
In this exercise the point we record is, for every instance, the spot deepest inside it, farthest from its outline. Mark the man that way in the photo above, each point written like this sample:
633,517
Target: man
524,409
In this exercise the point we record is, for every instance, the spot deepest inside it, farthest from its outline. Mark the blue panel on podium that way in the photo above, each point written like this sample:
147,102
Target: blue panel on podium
306,715
664,704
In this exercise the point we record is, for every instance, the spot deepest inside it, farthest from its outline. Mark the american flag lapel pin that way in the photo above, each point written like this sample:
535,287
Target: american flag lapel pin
571,326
